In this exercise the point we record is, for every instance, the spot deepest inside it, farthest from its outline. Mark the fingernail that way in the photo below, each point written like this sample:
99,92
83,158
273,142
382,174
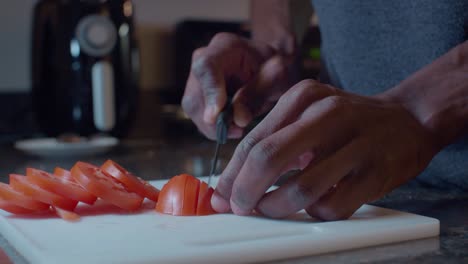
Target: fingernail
235,132
210,114
242,116
219,204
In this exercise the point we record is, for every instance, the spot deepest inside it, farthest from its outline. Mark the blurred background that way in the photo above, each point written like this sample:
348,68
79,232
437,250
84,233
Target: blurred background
163,32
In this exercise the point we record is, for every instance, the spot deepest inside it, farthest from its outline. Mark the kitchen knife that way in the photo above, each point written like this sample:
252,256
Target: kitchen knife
222,125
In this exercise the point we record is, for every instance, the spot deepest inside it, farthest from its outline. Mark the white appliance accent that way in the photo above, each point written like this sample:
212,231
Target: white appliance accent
102,75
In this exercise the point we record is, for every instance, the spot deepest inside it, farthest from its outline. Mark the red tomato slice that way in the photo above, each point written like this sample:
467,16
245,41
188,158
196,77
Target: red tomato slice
60,186
192,185
14,209
204,200
8,194
185,195
66,215
171,197
130,181
23,185
63,174
102,185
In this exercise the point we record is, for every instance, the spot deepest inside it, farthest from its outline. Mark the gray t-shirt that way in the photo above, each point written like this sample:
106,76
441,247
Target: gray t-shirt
369,46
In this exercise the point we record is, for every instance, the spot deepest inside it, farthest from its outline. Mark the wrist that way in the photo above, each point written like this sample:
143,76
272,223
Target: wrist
437,96
399,96
280,23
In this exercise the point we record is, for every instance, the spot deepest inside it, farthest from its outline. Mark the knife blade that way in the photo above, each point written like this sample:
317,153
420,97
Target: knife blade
222,125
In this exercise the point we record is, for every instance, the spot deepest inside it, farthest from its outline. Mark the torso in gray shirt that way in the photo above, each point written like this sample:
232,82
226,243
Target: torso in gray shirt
369,46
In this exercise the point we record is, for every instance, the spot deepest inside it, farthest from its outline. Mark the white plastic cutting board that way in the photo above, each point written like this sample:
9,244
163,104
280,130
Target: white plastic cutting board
107,235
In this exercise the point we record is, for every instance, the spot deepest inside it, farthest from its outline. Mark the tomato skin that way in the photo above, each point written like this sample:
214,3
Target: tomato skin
185,195
11,195
204,200
102,185
173,196
60,186
63,174
22,184
14,209
130,181
192,186
151,192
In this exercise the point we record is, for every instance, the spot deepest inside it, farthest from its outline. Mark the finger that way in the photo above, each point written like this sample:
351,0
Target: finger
301,162
260,94
208,71
349,195
281,115
193,104
323,128
312,183
229,60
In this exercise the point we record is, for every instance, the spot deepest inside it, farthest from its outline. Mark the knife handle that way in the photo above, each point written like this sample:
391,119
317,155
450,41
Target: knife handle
223,121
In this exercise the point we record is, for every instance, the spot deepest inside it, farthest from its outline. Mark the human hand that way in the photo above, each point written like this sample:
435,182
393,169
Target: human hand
252,72
350,150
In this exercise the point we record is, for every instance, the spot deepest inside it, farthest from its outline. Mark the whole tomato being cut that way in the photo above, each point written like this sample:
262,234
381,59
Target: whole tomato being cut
103,185
130,181
185,195
61,186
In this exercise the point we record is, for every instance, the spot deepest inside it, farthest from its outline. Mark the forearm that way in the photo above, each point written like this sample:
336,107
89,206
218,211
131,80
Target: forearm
437,95
280,23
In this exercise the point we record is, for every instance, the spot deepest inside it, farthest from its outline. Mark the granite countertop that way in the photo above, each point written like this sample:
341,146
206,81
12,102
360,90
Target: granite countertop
160,159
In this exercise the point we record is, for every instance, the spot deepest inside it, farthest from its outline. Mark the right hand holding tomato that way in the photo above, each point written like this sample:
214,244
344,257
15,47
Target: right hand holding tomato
252,72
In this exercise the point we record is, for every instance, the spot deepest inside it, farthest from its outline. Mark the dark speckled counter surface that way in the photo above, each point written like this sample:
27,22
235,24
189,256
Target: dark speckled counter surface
163,158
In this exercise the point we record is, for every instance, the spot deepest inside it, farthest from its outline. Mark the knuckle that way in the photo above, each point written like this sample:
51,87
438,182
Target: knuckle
301,90
241,197
202,65
264,152
200,52
224,186
280,69
335,103
223,37
246,145
304,193
189,105
307,83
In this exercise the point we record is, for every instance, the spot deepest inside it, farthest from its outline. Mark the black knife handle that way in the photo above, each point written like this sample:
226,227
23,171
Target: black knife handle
223,121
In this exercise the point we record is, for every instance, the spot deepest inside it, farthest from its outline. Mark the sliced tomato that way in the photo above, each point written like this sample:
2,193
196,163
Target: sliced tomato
63,174
22,184
66,215
13,208
60,186
103,185
204,200
130,181
8,194
171,197
185,195
192,186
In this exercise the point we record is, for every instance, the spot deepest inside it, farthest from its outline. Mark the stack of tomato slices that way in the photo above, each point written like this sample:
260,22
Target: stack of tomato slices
61,191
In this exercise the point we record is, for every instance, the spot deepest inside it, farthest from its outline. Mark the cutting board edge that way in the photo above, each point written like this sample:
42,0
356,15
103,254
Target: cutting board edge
13,237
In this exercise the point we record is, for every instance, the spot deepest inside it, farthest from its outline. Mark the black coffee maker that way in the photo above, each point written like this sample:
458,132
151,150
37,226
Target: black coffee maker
85,67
